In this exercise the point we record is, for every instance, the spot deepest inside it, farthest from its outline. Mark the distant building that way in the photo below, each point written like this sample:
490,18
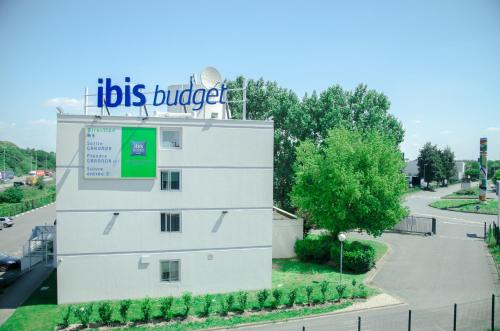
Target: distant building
411,169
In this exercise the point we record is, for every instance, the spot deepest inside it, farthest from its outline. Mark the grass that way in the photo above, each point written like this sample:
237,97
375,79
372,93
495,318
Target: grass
467,193
467,206
33,198
494,250
41,312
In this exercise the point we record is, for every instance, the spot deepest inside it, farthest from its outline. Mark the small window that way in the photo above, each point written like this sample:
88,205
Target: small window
170,222
170,180
171,138
170,271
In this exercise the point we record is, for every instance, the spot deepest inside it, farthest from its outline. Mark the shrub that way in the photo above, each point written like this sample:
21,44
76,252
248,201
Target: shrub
226,304
323,287
309,292
83,313
358,257
207,304
292,296
105,311
242,300
340,290
353,282
146,307
313,250
277,294
40,183
124,307
262,297
12,195
65,315
165,306
361,291
187,299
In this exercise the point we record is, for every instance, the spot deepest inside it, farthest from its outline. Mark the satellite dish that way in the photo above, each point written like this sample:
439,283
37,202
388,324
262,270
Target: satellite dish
210,77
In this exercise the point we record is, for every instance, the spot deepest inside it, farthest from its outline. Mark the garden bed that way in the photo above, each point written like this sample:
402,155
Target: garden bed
489,207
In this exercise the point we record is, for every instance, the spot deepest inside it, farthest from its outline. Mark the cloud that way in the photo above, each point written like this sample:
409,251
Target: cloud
7,125
445,132
43,121
493,128
64,102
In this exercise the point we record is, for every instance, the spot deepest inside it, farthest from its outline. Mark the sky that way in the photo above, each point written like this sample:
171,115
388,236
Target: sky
437,61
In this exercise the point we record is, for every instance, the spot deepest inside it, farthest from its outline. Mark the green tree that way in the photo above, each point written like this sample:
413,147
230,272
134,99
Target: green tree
447,163
353,180
12,195
429,163
310,118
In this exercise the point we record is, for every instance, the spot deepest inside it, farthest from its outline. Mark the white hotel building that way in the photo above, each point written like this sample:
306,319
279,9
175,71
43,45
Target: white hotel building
202,223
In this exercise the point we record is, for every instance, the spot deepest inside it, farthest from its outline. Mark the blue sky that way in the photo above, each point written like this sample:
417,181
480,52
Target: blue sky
437,61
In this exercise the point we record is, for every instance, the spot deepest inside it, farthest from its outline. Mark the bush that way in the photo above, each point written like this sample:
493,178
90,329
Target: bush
65,315
340,290
309,292
40,183
323,287
361,291
292,296
187,299
146,307
12,195
313,250
105,311
277,294
165,306
124,307
226,304
262,297
358,257
83,313
242,300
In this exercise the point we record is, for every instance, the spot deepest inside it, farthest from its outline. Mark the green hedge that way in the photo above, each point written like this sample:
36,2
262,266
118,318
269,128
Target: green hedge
314,250
13,209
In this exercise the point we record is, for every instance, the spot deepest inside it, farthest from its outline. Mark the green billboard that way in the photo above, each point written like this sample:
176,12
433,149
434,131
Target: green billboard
138,152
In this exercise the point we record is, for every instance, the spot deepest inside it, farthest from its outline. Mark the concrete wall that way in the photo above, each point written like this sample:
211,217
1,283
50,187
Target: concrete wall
225,204
285,234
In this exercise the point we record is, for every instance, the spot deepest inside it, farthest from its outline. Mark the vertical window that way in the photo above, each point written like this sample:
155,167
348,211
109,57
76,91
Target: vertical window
171,138
170,180
170,270
170,222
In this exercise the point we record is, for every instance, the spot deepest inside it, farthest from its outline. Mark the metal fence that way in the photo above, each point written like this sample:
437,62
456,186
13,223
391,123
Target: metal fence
416,224
483,315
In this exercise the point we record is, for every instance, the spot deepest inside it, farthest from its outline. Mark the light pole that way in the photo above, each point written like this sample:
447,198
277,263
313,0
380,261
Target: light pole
426,183
342,237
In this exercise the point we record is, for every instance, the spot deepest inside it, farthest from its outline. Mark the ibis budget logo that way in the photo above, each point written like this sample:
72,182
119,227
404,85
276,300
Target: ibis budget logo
138,147
211,91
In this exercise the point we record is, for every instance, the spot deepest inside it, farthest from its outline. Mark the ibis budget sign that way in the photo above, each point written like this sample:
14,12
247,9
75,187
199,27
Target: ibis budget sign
120,152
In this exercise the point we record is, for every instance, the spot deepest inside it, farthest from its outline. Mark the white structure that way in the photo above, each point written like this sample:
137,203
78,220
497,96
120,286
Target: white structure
411,169
287,229
202,223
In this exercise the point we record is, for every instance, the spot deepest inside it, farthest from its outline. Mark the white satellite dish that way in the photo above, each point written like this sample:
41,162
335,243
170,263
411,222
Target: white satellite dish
210,77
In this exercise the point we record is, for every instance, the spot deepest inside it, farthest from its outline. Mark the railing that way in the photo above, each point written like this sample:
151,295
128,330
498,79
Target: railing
18,208
416,224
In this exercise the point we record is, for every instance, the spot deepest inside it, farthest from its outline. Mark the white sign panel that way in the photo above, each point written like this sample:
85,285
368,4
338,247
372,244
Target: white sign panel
103,152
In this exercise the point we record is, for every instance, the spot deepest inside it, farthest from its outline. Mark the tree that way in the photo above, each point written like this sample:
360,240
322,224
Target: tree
353,180
310,118
448,168
429,163
12,195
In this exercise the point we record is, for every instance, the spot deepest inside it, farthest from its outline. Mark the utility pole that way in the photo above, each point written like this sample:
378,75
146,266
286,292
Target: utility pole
46,162
4,160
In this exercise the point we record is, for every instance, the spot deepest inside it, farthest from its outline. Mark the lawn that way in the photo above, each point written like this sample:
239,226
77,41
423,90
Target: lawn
467,193
40,312
467,206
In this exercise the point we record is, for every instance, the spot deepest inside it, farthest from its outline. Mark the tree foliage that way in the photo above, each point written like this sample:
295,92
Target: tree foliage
435,164
353,180
21,161
311,118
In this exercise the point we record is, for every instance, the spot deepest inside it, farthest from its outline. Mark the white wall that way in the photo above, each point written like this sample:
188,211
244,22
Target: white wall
226,165
285,234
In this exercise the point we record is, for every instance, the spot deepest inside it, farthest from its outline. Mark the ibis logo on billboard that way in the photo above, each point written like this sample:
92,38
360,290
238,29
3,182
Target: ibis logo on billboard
120,152
211,91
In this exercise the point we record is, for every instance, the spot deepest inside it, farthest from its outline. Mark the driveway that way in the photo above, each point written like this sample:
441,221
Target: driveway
430,274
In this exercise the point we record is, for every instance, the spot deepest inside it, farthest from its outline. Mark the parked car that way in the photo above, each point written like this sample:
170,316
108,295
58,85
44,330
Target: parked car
16,184
6,222
9,262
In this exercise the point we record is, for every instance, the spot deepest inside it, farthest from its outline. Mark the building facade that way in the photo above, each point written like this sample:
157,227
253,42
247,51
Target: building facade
180,205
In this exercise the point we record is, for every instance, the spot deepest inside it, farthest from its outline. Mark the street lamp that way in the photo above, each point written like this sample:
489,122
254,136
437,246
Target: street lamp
341,237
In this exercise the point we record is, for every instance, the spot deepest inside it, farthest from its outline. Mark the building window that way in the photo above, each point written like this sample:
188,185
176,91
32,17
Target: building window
170,222
170,270
171,138
171,180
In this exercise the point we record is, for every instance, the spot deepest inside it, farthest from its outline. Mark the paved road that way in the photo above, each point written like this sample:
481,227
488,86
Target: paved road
12,239
428,273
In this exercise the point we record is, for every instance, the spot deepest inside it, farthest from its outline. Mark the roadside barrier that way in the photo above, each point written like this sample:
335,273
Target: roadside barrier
416,224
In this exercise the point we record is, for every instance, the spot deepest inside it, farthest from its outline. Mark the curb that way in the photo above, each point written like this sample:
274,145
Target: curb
31,210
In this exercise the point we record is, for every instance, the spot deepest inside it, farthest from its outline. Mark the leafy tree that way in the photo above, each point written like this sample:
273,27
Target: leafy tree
310,118
429,163
448,168
353,180
12,195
